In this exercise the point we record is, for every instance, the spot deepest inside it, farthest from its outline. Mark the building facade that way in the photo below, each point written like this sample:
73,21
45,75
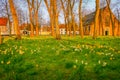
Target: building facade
5,26
104,26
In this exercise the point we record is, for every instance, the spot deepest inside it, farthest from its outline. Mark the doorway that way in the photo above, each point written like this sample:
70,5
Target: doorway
106,33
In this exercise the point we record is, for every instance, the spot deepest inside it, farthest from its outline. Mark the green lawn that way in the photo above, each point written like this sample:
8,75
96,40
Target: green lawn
72,58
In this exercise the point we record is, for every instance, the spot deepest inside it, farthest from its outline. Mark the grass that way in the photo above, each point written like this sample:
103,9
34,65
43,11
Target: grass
72,58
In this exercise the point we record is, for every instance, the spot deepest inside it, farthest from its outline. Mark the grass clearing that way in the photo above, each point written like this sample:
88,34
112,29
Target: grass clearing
44,58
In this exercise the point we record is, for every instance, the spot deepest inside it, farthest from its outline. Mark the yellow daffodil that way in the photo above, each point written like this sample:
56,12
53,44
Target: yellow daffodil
82,61
74,66
104,64
111,58
86,63
21,52
8,62
2,62
76,61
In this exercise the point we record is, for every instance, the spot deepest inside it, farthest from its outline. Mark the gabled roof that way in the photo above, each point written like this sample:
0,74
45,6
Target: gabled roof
3,21
88,19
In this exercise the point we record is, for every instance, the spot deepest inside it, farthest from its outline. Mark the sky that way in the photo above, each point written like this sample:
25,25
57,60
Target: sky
88,5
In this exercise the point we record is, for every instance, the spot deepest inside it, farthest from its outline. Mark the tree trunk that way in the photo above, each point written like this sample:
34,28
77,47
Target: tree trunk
31,26
50,11
112,21
118,28
37,24
65,15
58,37
118,22
66,26
30,8
52,25
52,17
96,19
69,17
15,19
37,30
8,16
73,24
36,16
80,19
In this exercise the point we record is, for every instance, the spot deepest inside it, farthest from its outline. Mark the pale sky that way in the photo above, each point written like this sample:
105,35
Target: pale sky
88,5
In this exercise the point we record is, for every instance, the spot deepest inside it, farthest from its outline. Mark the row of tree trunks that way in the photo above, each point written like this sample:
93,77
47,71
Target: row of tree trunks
49,9
30,8
53,14
99,25
33,15
65,13
69,18
38,3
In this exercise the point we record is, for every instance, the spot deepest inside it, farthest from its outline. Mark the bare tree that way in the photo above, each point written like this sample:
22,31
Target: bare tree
36,9
96,19
33,7
118,14
55,12
80,18
101,27
101,23
65,12
112,21
15,19
49,9
30,7
71,16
